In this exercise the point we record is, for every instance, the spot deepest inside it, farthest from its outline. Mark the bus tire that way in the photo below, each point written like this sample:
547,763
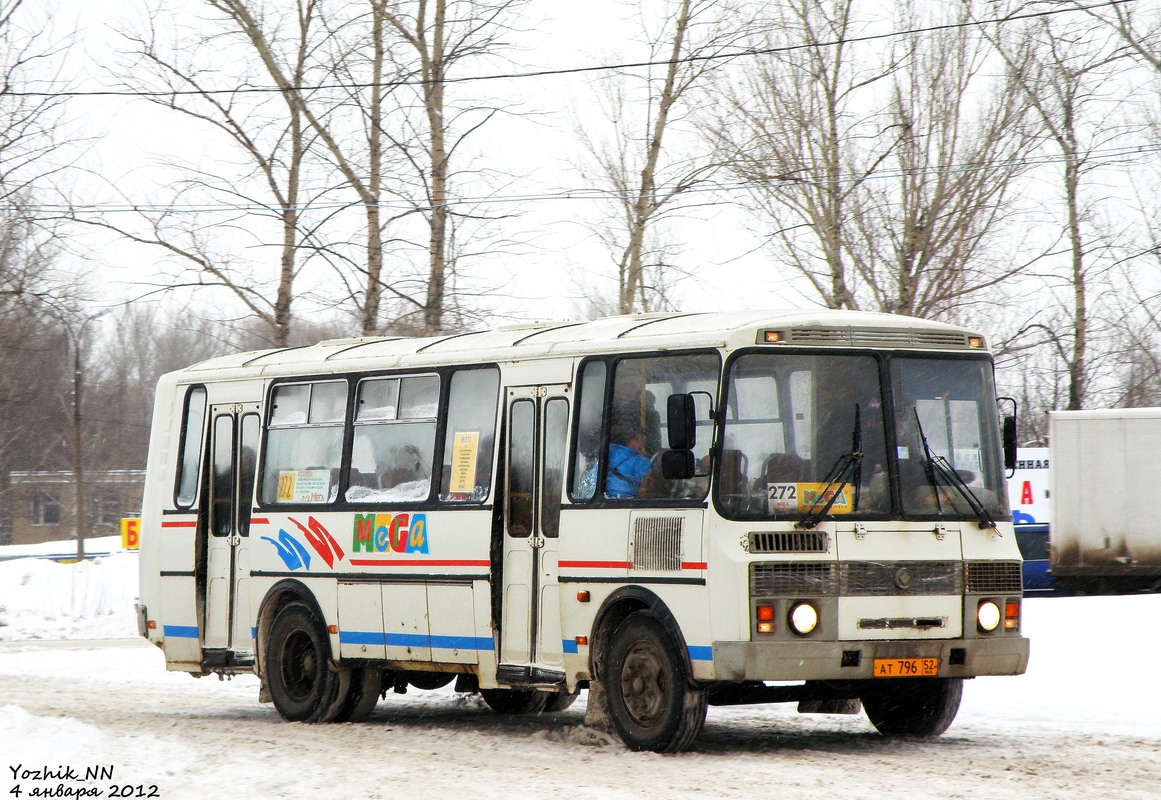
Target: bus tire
514,701
363,695
913,707
302,685
652,702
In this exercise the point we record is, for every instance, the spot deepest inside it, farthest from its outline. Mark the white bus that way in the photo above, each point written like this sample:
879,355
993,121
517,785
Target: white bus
679,509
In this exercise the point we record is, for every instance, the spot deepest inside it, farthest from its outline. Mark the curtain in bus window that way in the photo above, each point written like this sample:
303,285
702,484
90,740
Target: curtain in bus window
394,440
637,431
470,442
799,430
304,443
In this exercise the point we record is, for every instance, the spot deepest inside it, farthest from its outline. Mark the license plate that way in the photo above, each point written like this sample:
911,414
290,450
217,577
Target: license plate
906,667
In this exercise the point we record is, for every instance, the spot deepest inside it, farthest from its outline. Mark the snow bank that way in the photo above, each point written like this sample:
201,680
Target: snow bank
41,598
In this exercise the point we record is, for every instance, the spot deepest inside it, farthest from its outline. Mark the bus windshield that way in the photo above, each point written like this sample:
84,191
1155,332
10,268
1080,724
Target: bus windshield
947,438
809,436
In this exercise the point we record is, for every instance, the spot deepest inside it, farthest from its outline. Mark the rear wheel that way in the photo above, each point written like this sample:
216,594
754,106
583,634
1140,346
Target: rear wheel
921,707
362,696
302,685
652,703
514,701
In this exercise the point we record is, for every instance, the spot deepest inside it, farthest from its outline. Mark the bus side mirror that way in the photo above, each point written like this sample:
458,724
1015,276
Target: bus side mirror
1009,433
681,420
678,465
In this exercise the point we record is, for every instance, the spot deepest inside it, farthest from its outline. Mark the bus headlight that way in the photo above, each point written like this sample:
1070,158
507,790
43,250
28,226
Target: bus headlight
988,615
803,618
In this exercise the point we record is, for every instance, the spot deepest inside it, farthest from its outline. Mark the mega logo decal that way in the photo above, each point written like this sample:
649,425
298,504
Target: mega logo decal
373,533
395,533
295,556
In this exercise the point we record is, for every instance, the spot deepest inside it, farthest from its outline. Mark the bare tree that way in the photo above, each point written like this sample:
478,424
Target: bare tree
379,54
932,229
791,128
640,165
1066,70
270,179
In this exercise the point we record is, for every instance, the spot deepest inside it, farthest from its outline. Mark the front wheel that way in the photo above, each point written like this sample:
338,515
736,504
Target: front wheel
302,685
652,703
920,707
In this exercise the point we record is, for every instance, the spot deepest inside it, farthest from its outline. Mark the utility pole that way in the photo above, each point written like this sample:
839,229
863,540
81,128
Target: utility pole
76,337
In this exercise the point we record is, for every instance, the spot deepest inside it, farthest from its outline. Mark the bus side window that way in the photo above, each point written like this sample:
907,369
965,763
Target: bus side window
394,439
469,444
590,420
192,426
304,443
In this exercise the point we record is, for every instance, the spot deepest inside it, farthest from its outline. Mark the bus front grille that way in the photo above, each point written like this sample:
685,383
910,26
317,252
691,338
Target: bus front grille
994,577
797,578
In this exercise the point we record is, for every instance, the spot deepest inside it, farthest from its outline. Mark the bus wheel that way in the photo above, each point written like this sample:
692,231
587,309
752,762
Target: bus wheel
921,707
560,701
514,701
651,701
302,685
363,695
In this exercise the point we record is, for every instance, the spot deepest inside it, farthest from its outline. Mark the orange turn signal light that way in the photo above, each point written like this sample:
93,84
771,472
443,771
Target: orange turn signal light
1012,615
765,613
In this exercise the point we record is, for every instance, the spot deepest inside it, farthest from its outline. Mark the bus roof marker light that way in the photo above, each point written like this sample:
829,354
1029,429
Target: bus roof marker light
975,342
773,337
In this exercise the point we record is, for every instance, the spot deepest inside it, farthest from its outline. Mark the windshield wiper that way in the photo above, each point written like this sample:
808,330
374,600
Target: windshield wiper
851,462
938,465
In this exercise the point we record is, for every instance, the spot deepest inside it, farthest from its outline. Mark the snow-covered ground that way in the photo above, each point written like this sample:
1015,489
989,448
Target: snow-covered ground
1084,722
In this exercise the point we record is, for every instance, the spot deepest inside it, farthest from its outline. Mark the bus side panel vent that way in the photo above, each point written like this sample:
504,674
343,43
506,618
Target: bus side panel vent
789,542
656,543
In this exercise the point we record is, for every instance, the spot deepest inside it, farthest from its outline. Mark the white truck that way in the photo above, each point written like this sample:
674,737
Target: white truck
1106,493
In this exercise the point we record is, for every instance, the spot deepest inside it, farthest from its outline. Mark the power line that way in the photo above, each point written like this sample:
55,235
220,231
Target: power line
570,70
582,194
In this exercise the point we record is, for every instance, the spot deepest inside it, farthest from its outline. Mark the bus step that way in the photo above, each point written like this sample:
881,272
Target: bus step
214,658
528,675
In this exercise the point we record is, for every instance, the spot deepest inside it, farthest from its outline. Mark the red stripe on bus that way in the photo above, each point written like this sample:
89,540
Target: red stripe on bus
180,523
417,562
594,565
259,521
693,565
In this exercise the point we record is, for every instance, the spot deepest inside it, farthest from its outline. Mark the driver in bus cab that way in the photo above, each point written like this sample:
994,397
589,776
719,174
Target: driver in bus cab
628,464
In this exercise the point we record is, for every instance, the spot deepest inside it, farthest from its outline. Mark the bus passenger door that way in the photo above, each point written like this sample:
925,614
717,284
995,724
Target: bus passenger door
530,638
234,430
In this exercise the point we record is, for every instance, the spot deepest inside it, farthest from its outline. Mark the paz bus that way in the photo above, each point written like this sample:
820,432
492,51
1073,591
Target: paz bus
669,510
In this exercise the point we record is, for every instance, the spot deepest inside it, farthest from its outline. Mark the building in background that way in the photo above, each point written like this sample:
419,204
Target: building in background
40,506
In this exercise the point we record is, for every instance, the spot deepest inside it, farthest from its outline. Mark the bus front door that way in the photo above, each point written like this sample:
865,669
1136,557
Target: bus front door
234,433
530,643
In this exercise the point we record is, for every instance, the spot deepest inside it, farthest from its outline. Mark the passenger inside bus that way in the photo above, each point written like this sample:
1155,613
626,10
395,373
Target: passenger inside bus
627,463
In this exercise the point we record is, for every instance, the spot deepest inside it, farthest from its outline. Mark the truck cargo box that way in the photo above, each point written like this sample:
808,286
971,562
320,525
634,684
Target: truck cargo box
1106,499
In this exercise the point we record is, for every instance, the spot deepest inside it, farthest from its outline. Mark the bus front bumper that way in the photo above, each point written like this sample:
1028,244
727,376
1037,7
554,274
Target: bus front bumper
808,661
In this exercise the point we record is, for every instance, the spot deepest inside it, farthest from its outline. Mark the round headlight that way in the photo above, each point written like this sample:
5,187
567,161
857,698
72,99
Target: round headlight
988,616
803,618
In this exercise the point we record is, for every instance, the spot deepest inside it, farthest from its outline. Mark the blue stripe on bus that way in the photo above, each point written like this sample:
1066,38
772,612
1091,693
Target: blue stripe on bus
180,631
569,646
701,653
416,640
